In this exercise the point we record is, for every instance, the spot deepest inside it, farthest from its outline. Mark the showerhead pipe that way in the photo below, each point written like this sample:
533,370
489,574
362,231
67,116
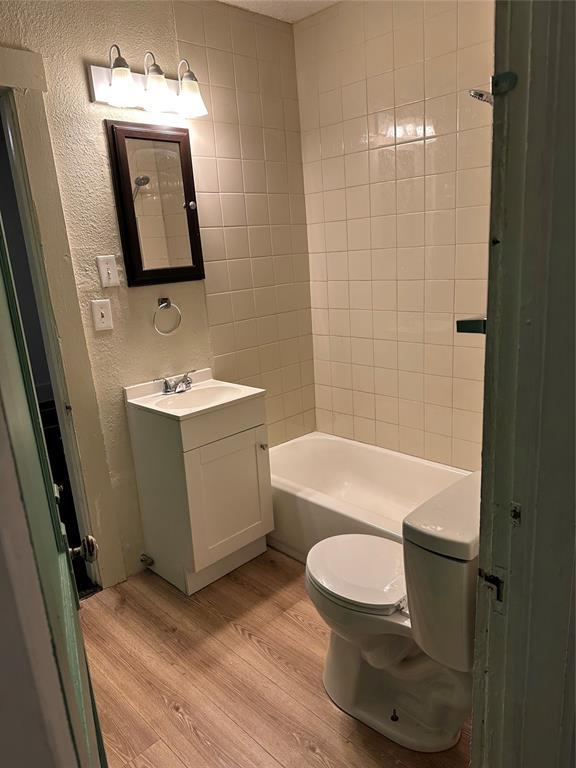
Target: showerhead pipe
484,96
139,182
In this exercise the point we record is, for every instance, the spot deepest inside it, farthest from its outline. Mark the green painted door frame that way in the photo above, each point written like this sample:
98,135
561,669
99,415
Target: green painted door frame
524,656
48,540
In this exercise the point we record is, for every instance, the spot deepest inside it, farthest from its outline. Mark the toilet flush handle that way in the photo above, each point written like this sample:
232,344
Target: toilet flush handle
471,325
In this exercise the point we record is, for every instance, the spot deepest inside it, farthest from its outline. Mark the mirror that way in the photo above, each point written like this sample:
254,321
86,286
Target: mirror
159,204
156,203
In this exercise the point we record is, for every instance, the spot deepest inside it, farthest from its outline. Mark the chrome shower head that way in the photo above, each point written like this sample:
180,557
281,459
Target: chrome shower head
139,182
484,96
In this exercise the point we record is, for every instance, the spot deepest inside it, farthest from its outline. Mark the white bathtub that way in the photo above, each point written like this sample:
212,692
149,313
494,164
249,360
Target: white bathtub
324,485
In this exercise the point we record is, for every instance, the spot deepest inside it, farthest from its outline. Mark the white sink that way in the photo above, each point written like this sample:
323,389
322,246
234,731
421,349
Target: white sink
200,396
205,394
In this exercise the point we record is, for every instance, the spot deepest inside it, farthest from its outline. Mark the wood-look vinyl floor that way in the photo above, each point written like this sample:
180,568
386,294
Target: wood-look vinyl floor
228,678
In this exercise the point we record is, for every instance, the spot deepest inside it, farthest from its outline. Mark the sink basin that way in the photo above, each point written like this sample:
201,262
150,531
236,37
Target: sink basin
205,394
199,396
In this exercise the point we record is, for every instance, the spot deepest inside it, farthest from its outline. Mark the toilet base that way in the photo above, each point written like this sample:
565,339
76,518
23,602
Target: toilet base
416,712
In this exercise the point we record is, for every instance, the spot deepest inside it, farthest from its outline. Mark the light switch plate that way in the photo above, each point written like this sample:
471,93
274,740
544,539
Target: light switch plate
108,271
102,314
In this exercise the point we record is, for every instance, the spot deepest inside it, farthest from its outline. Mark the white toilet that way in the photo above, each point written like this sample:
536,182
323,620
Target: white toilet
407,674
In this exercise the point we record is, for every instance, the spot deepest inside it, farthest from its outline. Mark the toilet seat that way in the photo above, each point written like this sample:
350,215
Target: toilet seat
360,572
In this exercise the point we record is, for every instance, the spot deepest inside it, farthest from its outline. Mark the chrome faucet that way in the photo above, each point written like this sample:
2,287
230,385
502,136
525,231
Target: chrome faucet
173,386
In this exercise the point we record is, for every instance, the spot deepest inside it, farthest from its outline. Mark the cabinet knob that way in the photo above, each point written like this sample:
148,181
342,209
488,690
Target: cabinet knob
264,446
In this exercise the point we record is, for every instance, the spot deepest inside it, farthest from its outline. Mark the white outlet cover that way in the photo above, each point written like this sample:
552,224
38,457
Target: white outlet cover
102,314
108,271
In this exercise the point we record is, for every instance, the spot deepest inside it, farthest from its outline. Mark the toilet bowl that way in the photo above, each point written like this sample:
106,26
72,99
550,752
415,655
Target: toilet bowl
407,675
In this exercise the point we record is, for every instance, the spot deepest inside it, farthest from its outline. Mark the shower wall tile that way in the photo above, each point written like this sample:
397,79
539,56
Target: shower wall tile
396,167
247,157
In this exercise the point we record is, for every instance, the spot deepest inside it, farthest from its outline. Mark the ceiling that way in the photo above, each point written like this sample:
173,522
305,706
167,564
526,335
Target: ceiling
285,10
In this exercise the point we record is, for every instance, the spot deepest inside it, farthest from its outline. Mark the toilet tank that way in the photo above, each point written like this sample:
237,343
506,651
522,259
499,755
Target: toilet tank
441,539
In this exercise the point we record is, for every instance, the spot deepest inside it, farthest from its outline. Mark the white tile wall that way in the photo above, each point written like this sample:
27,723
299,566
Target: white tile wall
397,182
248,174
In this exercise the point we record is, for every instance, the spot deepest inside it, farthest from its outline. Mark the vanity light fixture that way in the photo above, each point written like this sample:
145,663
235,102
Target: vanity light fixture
190,101
121,89
159,98
118,86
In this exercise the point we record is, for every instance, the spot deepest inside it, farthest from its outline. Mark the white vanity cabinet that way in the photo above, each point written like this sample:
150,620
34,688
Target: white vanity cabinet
203,474
229,482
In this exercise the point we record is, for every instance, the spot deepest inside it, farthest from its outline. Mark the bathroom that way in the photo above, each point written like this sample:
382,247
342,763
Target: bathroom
302,359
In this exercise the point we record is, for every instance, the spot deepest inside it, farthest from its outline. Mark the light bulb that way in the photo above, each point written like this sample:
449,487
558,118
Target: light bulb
190,101
159,98
122,92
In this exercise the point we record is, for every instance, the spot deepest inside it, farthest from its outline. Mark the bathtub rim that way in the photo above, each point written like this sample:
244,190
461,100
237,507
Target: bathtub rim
347,508
370,446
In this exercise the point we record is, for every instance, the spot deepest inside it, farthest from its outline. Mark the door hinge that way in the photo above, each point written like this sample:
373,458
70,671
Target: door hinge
494,582
503,82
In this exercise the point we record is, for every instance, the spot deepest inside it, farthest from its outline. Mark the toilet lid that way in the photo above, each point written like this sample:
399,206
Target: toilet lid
367,571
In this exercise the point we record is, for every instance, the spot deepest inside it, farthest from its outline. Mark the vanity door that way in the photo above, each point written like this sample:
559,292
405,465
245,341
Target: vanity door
229,495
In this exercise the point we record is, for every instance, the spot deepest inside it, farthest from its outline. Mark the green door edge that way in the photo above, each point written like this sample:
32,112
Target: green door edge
49,545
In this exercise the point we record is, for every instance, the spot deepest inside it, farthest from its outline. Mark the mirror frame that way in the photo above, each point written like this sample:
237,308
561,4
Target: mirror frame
118,132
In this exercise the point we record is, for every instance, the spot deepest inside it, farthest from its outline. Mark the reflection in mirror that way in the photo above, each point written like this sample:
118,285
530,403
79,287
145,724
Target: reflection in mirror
159,203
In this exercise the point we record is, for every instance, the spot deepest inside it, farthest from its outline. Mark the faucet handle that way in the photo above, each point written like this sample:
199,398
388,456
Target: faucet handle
185,382
187,378
165,382
172,385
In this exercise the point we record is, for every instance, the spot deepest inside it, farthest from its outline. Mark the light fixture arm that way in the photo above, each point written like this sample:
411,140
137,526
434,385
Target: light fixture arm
188,75
113,47
153,68
185,62
146,55
118,61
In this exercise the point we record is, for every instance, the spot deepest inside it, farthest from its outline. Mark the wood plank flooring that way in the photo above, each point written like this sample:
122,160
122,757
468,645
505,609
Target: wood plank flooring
228,678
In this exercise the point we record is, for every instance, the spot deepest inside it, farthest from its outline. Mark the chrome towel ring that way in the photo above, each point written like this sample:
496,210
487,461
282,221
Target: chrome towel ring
165,304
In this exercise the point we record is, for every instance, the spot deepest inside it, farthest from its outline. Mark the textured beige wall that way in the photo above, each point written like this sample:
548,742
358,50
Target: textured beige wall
70,35
253,310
